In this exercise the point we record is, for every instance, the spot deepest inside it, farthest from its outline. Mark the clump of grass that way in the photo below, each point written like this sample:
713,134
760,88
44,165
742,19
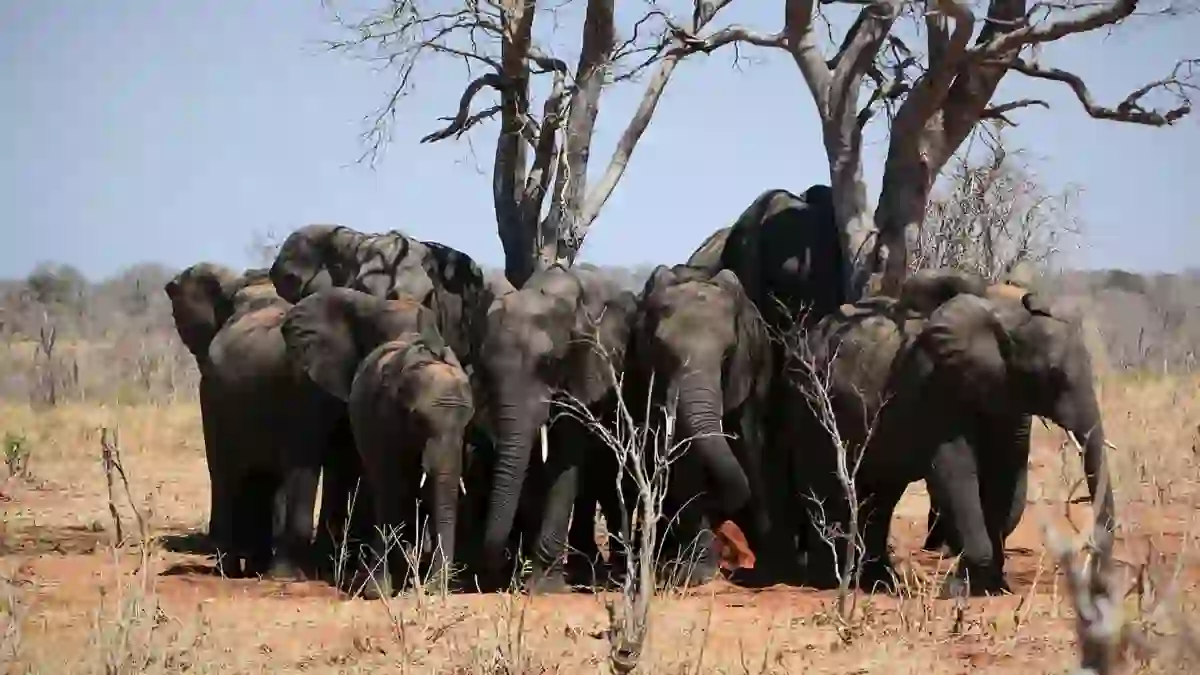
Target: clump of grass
17,451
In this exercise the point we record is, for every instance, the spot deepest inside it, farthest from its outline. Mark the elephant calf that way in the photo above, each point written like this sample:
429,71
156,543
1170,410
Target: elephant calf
409,402
944,399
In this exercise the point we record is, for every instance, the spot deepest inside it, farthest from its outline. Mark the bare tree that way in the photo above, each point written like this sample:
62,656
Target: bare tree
540,150
934,101
993,218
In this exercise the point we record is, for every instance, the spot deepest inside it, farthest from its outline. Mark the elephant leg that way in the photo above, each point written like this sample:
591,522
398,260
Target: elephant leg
583,554
1019,499
258,504
293,536
338,489
877,506
939,522
689,553
472,511
955,474
561,476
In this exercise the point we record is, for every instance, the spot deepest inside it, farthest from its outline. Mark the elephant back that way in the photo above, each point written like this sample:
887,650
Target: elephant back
786,250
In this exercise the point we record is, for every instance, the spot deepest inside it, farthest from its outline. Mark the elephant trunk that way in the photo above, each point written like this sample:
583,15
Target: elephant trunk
1081,417
443,459
700,409
518,416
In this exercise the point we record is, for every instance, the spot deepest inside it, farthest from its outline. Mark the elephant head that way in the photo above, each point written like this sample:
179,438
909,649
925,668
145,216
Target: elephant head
926,290
388,265
1025,357
540,340
704,336
201,302
329,333
708,254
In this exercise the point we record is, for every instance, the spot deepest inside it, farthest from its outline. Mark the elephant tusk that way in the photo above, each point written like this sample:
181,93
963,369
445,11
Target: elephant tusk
424,474
462,486
545,444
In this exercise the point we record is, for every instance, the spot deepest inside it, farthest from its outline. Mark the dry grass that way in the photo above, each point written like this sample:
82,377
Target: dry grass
71,603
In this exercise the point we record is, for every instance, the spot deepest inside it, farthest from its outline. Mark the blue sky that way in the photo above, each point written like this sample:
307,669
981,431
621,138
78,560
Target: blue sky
171,132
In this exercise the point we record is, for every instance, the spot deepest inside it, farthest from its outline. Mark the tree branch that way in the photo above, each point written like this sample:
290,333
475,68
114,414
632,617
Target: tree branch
599,40
1037,33
464,120
1130,109
686,43
997,112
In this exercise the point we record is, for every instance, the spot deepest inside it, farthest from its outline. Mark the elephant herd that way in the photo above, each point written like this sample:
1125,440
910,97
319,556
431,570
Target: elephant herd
421,399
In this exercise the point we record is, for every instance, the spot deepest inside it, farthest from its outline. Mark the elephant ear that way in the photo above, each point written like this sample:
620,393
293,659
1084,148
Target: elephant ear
601,350
728,281
201,302
748,368
321,342
745,367
968,343
926,290
660,278
1037,305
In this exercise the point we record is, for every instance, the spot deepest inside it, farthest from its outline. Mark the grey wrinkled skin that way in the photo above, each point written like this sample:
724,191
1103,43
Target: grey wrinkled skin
705,346
785,250
264,440
941,397
409,403
388,265
562,334
922,293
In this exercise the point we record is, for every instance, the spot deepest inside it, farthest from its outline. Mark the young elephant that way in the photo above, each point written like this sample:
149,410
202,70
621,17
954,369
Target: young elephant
922,293
265,441
409,403
923,395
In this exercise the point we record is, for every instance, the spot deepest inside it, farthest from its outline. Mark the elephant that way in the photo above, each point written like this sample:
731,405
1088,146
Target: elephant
786,251
447,281
409,402
562,334
923,292
265,440
698,346
938,398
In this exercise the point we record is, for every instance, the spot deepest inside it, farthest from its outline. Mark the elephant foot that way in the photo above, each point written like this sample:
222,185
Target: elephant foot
972,581
286,570
376,588
547,579
878,576
685,576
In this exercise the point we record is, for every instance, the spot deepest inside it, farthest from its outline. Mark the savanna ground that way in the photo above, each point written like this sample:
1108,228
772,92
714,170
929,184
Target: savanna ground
74,603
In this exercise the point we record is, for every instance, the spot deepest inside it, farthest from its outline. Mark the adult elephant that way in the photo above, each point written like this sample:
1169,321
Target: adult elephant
922,293
786,251
409,403
923,395
562,334
698,346
444,279
387,265
265,440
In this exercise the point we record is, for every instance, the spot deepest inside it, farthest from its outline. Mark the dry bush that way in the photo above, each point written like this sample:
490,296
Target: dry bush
992,217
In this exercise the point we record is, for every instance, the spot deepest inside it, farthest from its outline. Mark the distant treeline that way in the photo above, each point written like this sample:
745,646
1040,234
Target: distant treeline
66,338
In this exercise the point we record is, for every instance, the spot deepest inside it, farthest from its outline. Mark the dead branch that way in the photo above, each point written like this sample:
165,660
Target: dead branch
464,120
997,112
1179,84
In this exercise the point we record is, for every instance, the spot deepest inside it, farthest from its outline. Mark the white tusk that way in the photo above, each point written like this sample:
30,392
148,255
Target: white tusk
462,486
545,443
423,475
